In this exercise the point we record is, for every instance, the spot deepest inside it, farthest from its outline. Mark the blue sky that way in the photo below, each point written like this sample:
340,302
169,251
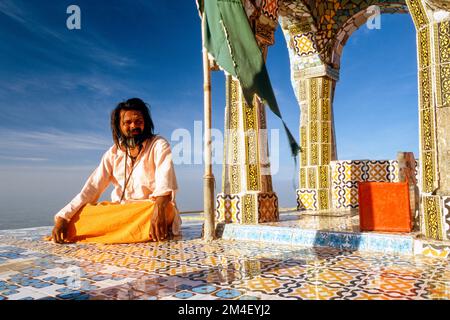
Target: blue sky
58,86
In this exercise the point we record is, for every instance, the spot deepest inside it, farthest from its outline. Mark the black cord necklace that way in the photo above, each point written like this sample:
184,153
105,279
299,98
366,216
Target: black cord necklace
133,162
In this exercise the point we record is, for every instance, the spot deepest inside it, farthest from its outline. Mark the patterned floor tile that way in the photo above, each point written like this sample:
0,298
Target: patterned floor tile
228,293
437,290
26,294
189,269
309,291
392,288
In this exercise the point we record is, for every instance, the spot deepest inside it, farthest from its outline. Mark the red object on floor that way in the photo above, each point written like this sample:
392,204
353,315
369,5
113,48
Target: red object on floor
384,206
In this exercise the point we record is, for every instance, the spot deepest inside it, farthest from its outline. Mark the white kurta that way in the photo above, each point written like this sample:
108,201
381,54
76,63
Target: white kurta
153,175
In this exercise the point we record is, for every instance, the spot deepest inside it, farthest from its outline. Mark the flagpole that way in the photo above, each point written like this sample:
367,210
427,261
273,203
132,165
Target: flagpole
208,178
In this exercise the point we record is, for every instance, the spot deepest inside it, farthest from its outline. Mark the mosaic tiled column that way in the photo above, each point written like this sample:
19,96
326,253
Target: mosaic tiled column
247,195
314,82
433,41
317,143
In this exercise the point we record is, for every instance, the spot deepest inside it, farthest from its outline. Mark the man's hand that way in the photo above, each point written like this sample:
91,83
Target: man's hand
59,232
158,227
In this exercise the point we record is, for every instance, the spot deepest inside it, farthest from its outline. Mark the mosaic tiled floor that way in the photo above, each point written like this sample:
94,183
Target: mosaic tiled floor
189,268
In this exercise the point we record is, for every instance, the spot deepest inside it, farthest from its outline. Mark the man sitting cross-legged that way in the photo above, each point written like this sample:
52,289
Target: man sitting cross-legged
140,167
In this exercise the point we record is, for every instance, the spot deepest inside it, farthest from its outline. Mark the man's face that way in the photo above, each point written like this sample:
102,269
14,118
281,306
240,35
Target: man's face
131,123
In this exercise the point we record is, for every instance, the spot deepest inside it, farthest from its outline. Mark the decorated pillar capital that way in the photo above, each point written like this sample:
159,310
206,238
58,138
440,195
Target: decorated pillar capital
316,72
307,60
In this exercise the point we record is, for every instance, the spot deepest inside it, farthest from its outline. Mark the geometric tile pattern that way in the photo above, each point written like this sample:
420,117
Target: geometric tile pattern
267,207
243,175
187,268
316,129
446,214
307,199
247,208
346,175
270,9
433,53
304,44
432,217
228,208
429,92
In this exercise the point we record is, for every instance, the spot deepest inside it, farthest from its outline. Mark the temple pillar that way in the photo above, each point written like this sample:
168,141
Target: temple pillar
247,195
317,140
314,82
432,22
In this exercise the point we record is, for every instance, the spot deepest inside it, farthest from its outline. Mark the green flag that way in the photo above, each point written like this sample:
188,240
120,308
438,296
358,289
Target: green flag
229,38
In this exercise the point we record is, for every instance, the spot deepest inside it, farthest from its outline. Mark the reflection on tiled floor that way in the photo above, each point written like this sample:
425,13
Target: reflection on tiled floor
325,220
190,269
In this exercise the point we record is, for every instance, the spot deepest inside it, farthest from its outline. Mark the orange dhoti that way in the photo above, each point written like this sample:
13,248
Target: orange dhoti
110,223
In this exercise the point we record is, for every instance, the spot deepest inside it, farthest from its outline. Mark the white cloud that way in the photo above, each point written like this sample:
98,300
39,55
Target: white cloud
65,81
22,16
13,11
16,140
23,158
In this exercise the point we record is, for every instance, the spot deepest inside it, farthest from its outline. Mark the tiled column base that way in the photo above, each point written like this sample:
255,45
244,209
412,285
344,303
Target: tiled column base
436,217
313,199
247,208
315,188
307,199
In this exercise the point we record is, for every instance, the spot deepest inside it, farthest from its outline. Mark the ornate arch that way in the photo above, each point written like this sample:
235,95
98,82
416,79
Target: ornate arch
353,23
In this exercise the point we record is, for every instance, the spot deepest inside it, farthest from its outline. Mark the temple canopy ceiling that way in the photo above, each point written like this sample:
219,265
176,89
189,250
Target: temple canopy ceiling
321,28
331,14
439,4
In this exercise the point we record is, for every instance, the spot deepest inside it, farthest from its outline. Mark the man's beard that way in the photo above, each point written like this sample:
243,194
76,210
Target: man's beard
133,140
